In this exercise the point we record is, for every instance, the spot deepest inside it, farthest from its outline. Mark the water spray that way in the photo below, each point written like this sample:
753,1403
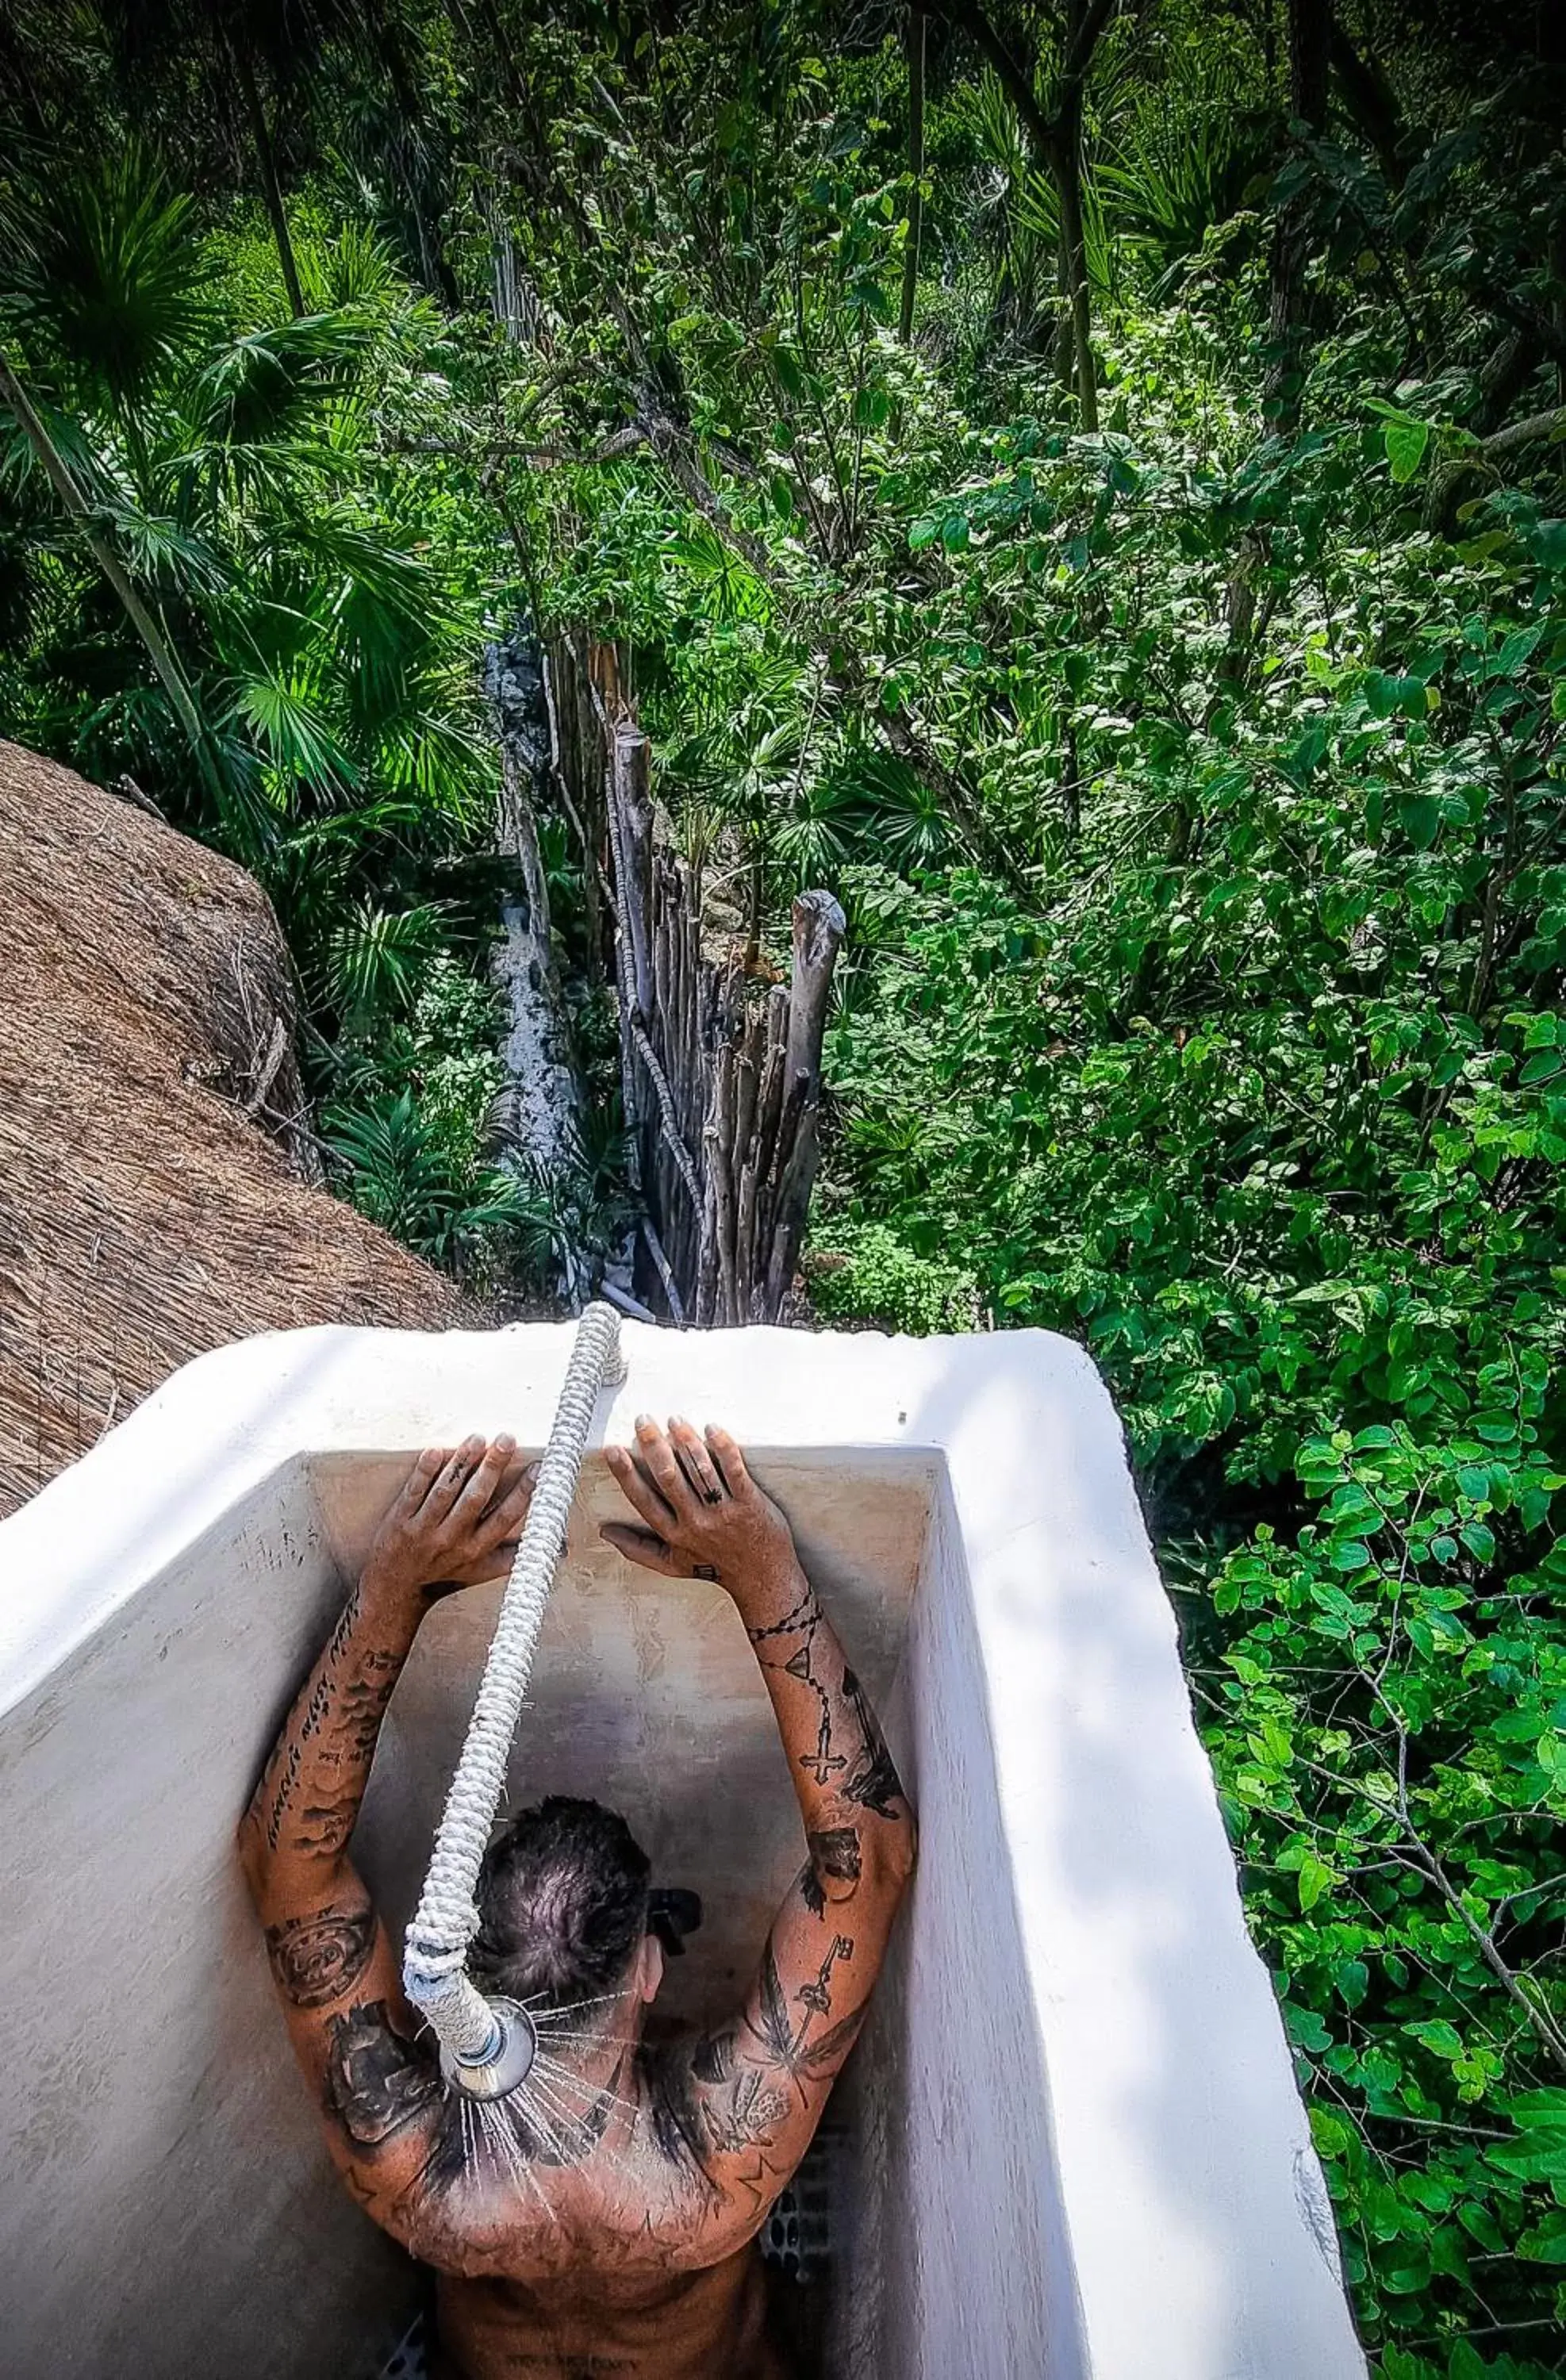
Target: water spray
489,2046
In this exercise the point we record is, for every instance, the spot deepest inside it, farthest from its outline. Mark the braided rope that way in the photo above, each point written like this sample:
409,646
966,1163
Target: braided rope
435,1952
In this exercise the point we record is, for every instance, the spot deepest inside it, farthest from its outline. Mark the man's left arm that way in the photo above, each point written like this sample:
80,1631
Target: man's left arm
455,1523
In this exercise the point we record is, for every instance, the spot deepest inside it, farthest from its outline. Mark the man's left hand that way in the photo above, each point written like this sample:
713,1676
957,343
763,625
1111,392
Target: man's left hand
455,1521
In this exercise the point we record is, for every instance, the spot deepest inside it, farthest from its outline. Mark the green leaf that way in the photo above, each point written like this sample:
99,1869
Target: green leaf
1439,2035
1546,2242
1419,815
1480,2225
1331,2135
1405,441
1351,1977
1304,2028
1538,2108
1314,1878
1539,2156
1516,649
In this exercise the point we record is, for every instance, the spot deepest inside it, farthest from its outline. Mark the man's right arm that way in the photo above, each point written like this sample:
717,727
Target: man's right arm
752,2092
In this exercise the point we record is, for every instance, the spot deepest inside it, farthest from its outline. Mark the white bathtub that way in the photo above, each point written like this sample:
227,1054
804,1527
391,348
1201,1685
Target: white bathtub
1076,2146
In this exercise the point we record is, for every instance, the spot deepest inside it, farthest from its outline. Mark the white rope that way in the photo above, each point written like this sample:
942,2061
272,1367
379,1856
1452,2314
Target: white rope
435,1953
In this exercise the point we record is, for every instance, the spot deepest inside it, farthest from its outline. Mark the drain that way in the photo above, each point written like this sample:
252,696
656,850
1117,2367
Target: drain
797,2234
410,2358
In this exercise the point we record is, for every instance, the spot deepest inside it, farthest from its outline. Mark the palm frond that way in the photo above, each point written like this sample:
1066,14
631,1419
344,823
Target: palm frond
161,548
374,957
356,269
117,283
817,835
396,1171
297,741
438,762
276,385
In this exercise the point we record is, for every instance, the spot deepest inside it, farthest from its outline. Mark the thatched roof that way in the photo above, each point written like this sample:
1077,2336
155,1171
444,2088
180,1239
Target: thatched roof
147,1210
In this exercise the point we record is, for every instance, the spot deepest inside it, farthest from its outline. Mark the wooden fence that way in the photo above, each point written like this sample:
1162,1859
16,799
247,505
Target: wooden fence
721,1077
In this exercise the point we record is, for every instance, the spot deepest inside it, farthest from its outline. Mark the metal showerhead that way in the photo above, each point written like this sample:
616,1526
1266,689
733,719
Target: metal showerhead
505,2060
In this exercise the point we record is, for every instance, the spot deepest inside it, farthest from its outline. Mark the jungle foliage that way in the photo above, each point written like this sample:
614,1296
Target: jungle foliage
1138,591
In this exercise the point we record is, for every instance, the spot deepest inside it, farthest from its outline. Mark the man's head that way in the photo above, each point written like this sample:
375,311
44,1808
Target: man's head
562,1904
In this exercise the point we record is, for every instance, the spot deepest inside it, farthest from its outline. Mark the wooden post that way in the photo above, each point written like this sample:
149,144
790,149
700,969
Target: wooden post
633,803
819,929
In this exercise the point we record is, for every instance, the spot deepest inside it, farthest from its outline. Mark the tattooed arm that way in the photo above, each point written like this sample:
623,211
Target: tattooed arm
749,2096
455,1523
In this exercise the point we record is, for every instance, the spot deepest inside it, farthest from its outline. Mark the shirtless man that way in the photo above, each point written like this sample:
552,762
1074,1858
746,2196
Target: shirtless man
615,2235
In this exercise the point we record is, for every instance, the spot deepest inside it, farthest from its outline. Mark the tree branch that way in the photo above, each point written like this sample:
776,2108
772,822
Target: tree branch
972,20
1089,35
1441,496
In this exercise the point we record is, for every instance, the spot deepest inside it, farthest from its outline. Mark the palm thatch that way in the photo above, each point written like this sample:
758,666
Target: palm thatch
154,1199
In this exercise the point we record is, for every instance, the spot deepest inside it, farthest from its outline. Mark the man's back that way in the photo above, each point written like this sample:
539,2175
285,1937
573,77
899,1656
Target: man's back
706,2325
621,2263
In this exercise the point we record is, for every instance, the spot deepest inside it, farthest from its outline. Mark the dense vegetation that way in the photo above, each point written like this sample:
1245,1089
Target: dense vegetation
1085,484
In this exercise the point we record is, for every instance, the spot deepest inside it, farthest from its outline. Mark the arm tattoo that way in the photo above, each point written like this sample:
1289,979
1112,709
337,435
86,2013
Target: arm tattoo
377,2083
712,2059
873,1781
802,1618
816,1996
774,2029
834,1856
317,1959
334,1731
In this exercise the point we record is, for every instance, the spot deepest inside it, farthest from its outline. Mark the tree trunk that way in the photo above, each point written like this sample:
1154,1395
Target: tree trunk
633,803
1309,30
1064,344
916,172
1056,141
1368,97
266,161
1066,161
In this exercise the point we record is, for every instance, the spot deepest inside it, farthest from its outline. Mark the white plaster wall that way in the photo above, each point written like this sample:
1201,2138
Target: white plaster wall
1081,2150
164,2206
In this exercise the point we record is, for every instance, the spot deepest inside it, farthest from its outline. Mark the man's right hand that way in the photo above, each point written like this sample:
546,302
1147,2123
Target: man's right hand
705,1516
455,1523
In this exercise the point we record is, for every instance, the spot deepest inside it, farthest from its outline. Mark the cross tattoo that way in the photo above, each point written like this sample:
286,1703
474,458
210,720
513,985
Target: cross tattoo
824,1762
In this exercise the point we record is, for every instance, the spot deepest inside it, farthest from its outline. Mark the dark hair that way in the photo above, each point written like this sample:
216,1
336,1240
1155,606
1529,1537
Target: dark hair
563,1903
